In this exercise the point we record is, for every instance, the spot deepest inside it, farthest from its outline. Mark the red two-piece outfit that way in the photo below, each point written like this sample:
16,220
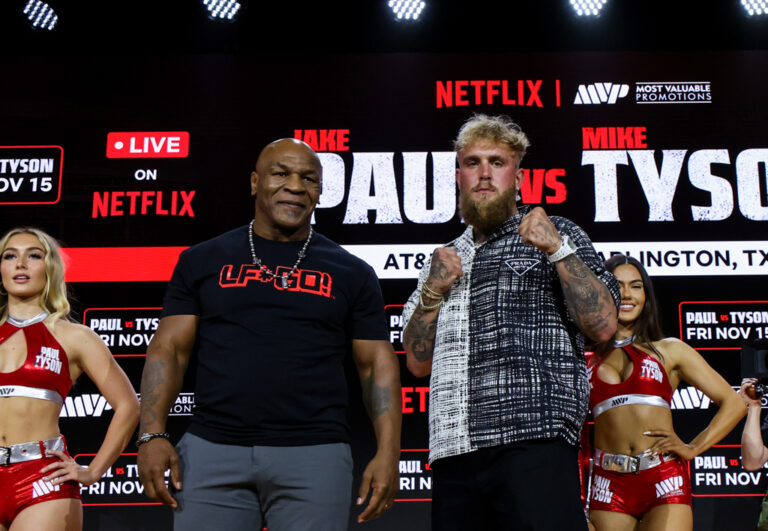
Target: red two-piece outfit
45,376
666,480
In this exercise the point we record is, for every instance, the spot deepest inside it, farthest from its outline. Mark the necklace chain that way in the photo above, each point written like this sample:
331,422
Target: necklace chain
285,276
21,323
624,342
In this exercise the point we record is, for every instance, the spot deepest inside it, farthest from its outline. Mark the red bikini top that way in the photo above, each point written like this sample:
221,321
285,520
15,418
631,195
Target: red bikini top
45,372
648,384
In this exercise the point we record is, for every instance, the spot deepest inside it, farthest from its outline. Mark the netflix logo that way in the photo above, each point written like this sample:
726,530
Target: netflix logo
143,203
148,145
520,93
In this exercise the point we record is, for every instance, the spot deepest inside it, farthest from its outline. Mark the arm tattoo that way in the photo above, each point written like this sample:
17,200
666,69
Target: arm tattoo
420,334
576,267
151,380
589,306
376,398
438,269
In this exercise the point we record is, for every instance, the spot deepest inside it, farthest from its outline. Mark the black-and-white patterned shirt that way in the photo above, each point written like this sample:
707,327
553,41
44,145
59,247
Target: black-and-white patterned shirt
508,362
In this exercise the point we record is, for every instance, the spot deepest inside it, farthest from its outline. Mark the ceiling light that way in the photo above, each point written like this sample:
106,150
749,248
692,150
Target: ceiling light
755,7
587,8
222,9
40,14
406,9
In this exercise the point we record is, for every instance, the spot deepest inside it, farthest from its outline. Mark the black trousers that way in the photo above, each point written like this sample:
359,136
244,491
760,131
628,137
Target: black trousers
531,485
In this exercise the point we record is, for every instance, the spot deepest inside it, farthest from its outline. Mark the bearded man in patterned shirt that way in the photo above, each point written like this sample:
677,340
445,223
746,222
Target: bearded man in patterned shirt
498,319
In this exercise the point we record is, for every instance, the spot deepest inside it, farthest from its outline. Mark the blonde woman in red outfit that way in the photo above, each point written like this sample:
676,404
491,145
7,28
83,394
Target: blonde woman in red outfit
639,478
41,354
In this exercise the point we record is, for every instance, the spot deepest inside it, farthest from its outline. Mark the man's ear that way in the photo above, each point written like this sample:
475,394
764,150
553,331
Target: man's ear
519,177
254,182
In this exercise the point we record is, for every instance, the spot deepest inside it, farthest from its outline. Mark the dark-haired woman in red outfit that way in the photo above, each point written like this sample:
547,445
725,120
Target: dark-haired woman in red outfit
639,477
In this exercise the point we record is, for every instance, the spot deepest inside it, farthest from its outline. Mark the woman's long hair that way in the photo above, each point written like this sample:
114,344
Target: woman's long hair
54,296
647,326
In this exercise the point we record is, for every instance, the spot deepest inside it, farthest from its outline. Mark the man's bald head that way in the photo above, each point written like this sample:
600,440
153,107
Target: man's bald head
286,186
278,148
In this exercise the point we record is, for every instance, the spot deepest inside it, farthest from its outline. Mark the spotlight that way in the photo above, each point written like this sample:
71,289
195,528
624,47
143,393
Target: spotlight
755,7
222,9
40,14
587,8
406,9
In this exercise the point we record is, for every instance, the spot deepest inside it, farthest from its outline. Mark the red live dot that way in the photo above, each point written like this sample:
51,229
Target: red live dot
120,471
129,324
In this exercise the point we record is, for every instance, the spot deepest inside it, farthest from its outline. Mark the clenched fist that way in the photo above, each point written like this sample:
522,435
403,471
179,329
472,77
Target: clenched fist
536,229
444,270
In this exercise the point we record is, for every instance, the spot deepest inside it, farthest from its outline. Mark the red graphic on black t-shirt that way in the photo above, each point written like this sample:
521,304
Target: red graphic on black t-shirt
303,280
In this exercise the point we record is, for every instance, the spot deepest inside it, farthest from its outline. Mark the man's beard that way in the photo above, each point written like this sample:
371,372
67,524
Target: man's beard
487,216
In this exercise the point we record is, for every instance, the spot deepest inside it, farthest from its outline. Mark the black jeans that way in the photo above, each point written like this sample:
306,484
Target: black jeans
531,485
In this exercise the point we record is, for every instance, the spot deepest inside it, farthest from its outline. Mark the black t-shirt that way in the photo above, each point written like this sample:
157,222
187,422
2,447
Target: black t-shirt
270,360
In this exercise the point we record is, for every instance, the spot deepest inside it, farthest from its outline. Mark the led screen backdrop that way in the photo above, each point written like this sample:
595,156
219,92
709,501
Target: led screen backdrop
131,160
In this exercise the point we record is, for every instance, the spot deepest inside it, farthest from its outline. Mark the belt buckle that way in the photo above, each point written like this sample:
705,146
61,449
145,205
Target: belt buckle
634,464
627,463
5,456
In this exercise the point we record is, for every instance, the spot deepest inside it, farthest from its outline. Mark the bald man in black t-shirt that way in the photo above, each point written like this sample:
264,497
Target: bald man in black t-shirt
271,309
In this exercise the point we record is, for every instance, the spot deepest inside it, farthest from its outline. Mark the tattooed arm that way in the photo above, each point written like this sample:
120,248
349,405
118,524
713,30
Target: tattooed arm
419,341
379,373
167,359
419,334
589,300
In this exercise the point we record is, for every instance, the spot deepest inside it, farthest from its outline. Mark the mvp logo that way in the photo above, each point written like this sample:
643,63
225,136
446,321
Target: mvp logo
669,487
597,93
42,487
94,405
690,398
618,401
88,405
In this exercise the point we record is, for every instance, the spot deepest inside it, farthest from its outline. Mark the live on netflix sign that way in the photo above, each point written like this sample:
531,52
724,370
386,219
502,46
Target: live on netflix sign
153,144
